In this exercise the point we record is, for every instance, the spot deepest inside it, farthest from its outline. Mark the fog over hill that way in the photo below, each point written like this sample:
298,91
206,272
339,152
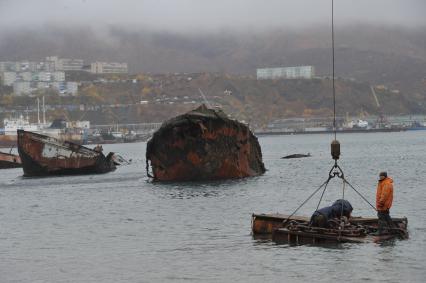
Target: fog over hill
220,36
227,51
189,16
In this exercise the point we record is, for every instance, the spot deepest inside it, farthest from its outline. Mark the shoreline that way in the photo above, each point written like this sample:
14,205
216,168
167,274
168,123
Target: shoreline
278,133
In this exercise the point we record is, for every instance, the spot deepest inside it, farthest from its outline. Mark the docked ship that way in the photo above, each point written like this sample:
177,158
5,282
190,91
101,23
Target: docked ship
70,131
417,126
75,131
8,137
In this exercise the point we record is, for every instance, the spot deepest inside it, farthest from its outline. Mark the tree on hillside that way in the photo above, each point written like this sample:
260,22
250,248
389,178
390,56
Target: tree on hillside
6,100
91,95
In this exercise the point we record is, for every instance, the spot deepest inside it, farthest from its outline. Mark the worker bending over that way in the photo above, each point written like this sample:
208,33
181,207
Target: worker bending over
322,217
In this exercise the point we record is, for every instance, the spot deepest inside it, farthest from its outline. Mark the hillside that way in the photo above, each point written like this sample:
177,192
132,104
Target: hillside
155,98
391,57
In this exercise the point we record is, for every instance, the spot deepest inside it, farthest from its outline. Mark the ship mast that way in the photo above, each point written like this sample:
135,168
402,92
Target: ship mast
38,110
44,113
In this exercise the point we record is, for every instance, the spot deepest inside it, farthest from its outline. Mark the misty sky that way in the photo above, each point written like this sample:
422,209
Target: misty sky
193,15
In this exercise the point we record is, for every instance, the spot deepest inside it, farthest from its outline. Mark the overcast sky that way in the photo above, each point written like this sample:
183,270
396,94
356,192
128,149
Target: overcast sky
193,15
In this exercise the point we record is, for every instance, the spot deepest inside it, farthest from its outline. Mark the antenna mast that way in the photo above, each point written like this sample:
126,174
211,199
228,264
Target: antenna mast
38,110
44,113
204,98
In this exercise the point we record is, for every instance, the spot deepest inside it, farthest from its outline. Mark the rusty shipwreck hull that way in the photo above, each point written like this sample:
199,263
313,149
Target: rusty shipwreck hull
8,160
43,155
203,144
296,230
327,236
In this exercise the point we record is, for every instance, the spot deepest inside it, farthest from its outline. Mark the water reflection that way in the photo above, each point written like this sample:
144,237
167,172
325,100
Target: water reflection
206,189
388,244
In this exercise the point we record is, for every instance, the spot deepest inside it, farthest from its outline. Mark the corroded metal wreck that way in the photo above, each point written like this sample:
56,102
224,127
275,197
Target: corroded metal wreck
203,144
43,155
8,160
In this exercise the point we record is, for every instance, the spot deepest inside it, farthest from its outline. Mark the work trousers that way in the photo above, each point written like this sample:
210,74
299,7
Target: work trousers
385,221
319,220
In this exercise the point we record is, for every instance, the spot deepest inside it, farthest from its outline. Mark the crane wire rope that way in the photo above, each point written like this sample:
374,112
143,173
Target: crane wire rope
332,51
335,171
336,157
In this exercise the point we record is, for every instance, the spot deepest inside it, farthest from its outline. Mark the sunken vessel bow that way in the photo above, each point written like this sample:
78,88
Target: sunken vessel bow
203,144
8,160
43,155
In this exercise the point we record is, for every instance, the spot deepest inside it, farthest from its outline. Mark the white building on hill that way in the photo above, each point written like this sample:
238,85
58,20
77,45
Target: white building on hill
299,72
108,68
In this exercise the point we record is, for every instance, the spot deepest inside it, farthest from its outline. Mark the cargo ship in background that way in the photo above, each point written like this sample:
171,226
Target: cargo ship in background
60,129
319,125
417,126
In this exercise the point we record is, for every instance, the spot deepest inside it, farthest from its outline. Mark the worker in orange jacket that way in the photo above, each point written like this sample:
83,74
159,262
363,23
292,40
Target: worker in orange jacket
384,198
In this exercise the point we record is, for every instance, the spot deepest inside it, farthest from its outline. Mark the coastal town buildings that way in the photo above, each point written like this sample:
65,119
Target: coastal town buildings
27,76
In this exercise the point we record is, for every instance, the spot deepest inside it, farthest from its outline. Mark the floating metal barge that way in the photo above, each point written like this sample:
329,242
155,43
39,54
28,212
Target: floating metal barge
8,160
43,155
203,144
296,230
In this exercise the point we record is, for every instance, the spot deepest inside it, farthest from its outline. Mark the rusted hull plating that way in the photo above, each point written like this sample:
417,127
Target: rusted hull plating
204,145
297,231
286,236
9,161
42,155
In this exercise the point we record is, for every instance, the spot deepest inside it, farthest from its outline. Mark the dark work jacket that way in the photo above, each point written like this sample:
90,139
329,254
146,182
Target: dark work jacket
335,210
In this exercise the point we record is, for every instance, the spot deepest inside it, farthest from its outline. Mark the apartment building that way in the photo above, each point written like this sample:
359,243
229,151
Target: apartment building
298,72
108,68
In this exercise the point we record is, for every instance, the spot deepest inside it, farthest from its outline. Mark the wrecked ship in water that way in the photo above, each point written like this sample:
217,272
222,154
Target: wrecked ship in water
43,155
203,144
8,160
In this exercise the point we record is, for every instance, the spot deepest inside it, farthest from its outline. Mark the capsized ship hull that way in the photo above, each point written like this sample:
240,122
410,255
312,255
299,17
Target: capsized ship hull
203,144
43,155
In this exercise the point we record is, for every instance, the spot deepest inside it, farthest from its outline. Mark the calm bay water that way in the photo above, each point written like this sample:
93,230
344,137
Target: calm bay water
120,227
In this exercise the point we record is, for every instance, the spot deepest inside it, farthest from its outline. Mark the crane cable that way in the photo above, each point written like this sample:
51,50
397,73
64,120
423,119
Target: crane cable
335,171
332,51
335,145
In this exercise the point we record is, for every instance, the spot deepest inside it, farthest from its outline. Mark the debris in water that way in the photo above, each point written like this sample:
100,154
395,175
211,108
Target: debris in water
296,155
